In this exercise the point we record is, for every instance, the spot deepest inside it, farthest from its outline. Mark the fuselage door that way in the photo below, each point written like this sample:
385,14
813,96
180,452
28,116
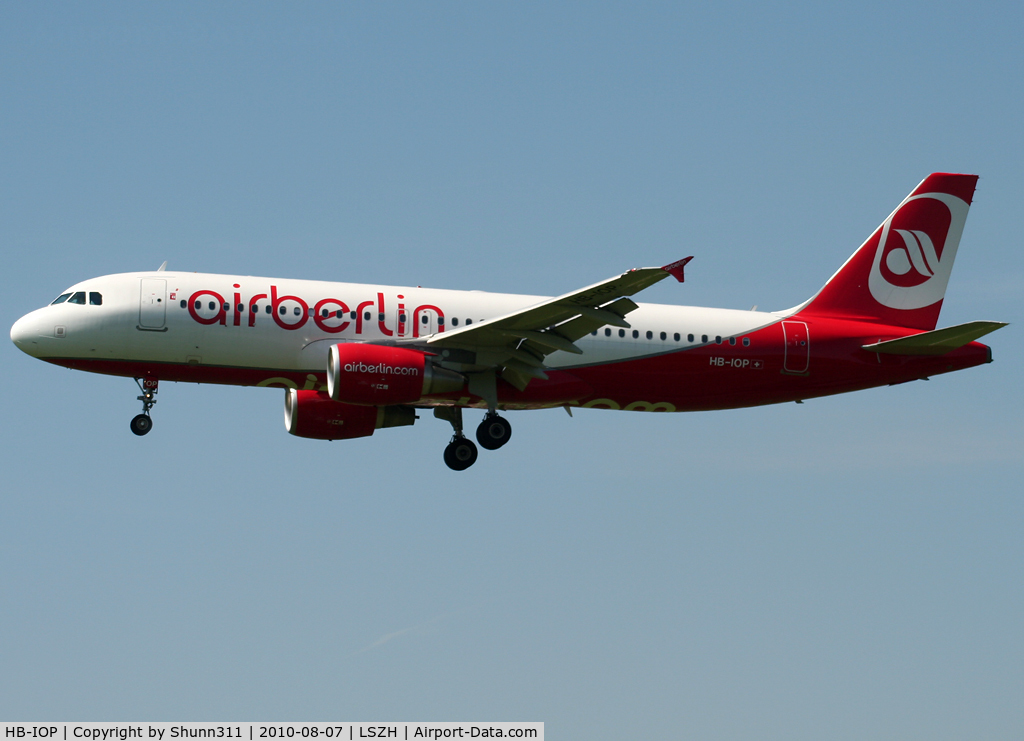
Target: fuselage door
153,303
798,347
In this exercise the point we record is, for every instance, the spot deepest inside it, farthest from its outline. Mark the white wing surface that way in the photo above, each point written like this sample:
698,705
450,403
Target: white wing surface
516,344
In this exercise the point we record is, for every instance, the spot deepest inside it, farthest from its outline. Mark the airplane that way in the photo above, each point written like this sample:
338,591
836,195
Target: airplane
356,358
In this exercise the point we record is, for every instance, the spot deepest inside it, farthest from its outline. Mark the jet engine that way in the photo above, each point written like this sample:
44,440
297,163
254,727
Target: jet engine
314,414
374,374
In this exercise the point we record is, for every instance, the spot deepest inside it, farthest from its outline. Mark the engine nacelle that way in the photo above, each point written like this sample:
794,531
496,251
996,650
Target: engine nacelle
360,373
314,414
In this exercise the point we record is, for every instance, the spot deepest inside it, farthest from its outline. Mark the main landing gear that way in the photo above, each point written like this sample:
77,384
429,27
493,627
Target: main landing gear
493,432
143,423
461,453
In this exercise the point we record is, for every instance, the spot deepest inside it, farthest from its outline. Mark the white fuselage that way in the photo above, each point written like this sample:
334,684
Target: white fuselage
208,320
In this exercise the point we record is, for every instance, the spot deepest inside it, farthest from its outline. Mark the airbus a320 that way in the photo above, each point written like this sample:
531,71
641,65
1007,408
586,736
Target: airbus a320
354,358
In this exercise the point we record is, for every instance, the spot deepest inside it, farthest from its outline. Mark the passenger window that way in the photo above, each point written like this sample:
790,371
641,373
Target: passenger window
703,338
309,311
61,299
241,308
650,335
746,342
636,333
95,299
676,337
380,317
663,336
282,311
607,332
339,312
732,340
269,310
183,303
440,321
424,319
468,322
622,333
352,315
227,306
455,321
401,317
297,311
689,338
212,306
77,298
718,339
366,316
253,309
324,313
594,333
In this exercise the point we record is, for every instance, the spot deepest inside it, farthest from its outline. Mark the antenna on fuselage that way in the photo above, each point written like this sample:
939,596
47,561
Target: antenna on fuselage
162,268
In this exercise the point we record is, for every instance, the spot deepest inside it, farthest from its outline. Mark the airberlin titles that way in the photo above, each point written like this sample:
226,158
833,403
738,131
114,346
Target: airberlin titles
207,306
381,368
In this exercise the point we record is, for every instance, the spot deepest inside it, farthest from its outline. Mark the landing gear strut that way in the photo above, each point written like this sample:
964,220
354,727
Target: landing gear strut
143,423
493,432
461,452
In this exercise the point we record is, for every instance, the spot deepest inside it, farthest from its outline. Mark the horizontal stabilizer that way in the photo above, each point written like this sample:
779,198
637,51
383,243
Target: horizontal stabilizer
936,342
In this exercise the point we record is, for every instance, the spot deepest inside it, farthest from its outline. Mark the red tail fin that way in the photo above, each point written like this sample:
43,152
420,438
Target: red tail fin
899,275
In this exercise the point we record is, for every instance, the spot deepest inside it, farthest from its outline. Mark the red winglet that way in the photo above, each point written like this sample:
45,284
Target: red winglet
676,269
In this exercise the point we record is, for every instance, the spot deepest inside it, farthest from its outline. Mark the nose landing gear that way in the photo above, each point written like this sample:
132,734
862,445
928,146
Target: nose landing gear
143,423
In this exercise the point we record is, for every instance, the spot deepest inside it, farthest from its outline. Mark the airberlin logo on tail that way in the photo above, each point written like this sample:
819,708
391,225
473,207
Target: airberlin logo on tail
916,250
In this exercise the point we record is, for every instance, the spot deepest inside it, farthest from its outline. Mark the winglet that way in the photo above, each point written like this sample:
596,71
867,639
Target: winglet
675,269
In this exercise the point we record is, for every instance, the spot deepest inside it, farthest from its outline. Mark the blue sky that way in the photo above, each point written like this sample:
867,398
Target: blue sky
851,567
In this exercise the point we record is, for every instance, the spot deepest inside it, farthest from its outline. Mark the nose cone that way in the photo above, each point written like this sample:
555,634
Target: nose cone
26,333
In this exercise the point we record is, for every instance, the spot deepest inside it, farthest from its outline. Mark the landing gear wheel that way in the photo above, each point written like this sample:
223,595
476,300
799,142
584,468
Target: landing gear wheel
141,424
460,454
493,432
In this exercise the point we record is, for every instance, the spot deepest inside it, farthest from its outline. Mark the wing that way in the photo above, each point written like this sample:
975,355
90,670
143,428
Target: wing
516,344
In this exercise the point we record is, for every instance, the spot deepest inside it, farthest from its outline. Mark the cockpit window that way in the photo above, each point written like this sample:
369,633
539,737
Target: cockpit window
61,299
77,298
95,299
